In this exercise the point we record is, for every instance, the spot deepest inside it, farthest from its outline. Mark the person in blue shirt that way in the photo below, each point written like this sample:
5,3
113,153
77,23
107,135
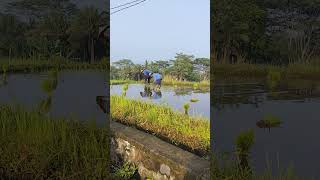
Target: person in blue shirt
147,75
157,79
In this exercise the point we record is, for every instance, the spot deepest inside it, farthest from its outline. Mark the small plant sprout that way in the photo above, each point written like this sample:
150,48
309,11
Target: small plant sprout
196,86
269,121
124,89
186,107
273,79
4,68
244,142
194,100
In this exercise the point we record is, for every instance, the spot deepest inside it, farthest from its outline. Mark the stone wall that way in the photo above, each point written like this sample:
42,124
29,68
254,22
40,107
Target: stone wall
155,158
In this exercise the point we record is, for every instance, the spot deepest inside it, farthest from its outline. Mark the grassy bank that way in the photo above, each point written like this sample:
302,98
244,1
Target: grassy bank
167,81
33,146
29,65
291,71
118,82
188,132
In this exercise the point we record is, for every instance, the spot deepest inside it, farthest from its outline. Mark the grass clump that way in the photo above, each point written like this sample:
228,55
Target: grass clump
118,82
35,146
186,108
169,80
191,133
244,142
194,100
269,121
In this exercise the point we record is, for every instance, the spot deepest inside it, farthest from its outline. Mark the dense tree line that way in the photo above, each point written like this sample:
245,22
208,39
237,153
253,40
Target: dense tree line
263,31
182,67
53,29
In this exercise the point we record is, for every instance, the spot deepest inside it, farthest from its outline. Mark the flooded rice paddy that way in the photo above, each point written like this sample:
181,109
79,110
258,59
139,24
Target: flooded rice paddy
293,109
174,97
75,95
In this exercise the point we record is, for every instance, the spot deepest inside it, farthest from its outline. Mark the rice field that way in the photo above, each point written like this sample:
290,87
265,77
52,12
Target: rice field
35,146
190,133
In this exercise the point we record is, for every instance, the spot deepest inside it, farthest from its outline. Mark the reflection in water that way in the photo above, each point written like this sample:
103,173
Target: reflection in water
74,98
168,96
154,93
293,103
4,80
269,122
45,105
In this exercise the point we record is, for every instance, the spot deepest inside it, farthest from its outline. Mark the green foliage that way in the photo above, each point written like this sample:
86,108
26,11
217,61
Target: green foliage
127,171
162,121
244,141
183,68
55,29
49,85
194,100
36,146
186,107
273,79
124,89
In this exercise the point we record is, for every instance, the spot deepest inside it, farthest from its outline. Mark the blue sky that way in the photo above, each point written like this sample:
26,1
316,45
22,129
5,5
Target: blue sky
158,29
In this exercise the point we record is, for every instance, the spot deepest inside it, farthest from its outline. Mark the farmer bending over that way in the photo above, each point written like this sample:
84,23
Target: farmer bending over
147,75
157,79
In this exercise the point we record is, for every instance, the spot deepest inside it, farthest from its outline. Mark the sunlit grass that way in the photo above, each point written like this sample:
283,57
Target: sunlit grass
178,128
170,80
36,146
194,100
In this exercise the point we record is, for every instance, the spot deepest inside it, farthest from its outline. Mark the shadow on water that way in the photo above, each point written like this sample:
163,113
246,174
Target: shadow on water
292,109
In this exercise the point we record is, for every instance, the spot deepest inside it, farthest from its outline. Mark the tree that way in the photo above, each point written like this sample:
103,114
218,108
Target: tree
125,67
85,27
202,67
238,28
183,66
11,35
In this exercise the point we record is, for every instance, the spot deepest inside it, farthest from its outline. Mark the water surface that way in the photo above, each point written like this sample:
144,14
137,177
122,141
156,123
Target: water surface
238,105
74,96
173,97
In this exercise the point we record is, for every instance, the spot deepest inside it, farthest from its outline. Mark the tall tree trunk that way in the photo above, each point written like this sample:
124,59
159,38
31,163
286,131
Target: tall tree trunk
92,51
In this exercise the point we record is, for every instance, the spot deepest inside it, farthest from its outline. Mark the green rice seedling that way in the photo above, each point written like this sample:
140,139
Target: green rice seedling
186,107
269,121
124,89
49,85
195,86
244,142
194,100
175,127
273,79
45,105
